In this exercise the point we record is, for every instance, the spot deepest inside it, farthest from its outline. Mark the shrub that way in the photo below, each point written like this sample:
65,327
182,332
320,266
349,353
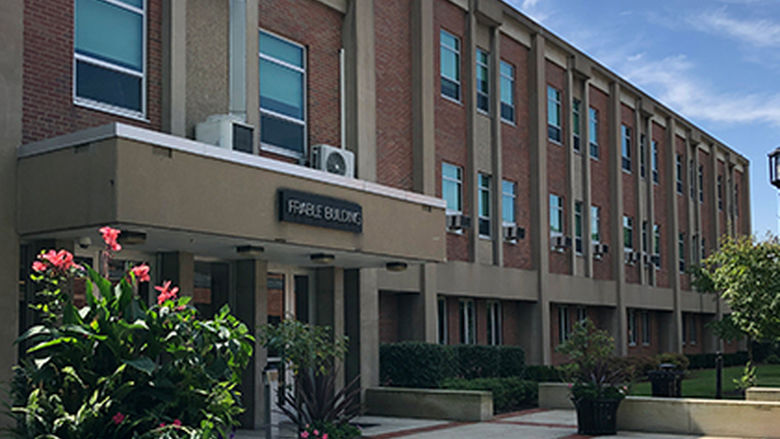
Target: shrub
476,361
542,374
415,364
735,359
702,361
679,360
772,359
511,361
509,394
635,367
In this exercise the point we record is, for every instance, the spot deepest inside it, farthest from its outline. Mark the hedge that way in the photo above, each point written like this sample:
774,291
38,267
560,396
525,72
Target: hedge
542,374
509,393
707,361
424,365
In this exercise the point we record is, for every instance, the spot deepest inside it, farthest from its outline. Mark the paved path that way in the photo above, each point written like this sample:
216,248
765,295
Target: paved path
530,424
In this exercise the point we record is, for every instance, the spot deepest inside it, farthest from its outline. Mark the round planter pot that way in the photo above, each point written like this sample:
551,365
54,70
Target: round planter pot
597,416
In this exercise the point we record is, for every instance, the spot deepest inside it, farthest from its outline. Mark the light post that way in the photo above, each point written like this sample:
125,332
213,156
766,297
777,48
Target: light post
774,168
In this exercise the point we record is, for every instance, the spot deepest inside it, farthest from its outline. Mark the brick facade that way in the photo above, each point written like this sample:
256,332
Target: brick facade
660,202
600,186
630,203
682,211
557,165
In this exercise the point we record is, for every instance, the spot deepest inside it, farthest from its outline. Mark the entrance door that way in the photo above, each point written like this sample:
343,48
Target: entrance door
290,293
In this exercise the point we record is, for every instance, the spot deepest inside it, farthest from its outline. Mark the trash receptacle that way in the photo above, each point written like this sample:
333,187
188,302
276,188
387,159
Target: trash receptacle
667,381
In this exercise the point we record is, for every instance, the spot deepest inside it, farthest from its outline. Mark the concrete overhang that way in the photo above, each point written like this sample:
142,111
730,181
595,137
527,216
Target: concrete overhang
181,192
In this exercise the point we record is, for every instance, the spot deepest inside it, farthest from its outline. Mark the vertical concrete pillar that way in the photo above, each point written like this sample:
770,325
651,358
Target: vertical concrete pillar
650,192
616,221
238,57
471,187
361,321
179,268
568,134
712,195
642,211
672,236
540,248
174,71
495,129
423,93
11,62
251,298
745,198
329,297
252,66
358,40
586,176
428,301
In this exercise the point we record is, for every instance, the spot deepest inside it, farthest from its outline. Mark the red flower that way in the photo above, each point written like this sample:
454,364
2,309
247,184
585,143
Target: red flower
118,418
166,292
61,260
162,425
110,236
39,266
141,273
177,422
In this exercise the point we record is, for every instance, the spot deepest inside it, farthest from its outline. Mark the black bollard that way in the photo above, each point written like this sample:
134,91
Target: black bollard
718,375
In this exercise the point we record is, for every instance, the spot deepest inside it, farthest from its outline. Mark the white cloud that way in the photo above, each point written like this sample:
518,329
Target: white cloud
756,32
532,8
528,4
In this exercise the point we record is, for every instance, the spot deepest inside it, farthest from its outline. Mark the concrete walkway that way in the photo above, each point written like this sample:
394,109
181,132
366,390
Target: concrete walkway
531,424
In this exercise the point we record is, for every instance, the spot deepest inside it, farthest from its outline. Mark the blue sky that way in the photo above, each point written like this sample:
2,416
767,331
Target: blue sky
716,62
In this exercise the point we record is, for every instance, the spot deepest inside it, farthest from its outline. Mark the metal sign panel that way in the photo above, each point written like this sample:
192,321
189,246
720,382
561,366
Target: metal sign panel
320,211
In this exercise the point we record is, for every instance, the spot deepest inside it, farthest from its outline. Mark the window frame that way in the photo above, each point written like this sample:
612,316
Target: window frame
468,328
720,192
632,327
642,164
560,212
102,106
509,198
576,115
645,328
657,245
457,51
681,251
442,330
593,133
693,335
305,90
564,324
494,323
701,184
578,223
654,160
478,65
484,183
625,141
554,100
595,224
511,80
678,177
628,232
458,183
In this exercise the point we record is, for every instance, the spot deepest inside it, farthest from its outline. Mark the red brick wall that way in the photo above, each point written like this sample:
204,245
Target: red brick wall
318,27
723,228
47,107
640,348
450,123
661,195
392,44
600,184
510,312
515,159
707,211
388,317
742,226
557,164
629,192
480,308
682,210
453,321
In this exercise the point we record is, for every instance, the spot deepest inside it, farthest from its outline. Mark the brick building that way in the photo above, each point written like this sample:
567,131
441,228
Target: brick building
503,184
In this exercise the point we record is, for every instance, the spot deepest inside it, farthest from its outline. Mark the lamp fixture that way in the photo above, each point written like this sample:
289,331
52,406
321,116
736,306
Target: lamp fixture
396,266
250,250
322,258
129,237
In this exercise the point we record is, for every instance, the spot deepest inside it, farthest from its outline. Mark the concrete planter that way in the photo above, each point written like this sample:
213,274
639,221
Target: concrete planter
555,396
763,394
454,405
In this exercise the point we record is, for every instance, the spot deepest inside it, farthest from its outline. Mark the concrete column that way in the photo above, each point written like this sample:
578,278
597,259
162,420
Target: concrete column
11,62
495,128
586,176
616,220
745,197
671,239
428,302
179,268
252,98
540,248
237,57
642,211
369,328
174,71
568,134
423,93
471,186
329,297
251,298
693,145
358,40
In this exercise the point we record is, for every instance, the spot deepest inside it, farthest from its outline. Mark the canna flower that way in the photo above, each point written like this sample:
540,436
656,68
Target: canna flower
324,435
177,422
61,260
166,292
118,418
110,236
141,273
39,266
162,425
304,434
316,432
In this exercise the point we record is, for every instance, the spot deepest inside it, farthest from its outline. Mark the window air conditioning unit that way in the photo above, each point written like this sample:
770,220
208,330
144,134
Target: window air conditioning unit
647,259
334,160
457,222
226,131
655,260
513,233
560,243
600,250
632,257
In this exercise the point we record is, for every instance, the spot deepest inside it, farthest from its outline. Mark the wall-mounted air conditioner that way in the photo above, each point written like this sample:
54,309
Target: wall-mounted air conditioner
456,222
337,161
513,233
600,250
226,131
632,257
560,243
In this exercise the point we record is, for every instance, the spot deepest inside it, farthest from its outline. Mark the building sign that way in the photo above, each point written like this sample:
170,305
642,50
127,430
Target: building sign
321,211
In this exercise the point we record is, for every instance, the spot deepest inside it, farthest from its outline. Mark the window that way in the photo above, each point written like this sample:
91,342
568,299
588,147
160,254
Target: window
564,325
681,251
657,245
654,161
582,313
468,323
692,336
484,205
720,192
494,323
449,54
109,55
556,215
631,327
553,114
575,116
736,200
578,227
628,233
593,132
644,236
507,92
645,328
451,187
679,174
483,82
508,203
703,249
625,135
442,309
684,328
692,180
595,236
282,95
642,140
701,184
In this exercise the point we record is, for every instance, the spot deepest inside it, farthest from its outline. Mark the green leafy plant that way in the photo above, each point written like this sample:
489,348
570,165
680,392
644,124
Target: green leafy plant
116,368
509,394
748,378
594,376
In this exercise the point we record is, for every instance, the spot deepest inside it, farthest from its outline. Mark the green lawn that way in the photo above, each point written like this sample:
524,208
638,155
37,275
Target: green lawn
701,383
